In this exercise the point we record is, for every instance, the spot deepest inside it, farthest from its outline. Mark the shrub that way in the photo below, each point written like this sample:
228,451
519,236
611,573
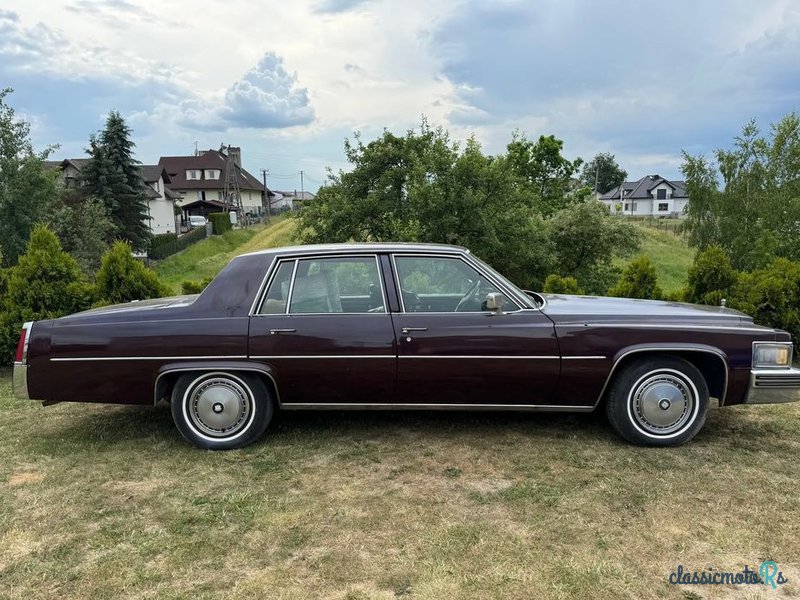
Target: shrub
555,284
771,296
638,280
196,287
221,222
46,283
711,277
122,278
167,244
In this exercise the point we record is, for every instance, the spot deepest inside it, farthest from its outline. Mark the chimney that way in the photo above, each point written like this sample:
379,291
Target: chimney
235,152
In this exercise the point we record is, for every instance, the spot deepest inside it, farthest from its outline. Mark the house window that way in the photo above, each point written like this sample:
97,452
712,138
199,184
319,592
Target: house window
626,207
192,174
661,195
663,206
212,173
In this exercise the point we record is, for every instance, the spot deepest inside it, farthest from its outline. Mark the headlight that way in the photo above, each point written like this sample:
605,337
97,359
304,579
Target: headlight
772,354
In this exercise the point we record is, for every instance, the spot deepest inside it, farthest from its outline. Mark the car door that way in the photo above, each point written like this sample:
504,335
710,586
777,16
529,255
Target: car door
451,350
324,328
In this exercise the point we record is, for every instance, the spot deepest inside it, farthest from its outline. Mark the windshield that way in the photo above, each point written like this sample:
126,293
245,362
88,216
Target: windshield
519,295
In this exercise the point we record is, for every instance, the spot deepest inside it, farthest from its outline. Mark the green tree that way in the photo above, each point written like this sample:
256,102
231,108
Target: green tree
555,284
27,189
753,216
83,226
112,175
586,240
711,277
46,283
638,280
771,296
122,278
422,187
602,173
542,168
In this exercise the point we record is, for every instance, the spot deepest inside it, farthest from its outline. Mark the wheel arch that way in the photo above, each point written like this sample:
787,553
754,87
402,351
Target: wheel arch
168,375
710,361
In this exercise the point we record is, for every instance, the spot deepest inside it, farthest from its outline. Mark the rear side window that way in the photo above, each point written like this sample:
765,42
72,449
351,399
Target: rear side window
325,285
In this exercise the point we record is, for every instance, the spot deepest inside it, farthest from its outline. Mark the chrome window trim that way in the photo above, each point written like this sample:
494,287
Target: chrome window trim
291,287
296,259
710,351
452,256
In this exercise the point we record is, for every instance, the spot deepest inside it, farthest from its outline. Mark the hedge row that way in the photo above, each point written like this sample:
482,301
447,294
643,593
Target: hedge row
221,222
167,244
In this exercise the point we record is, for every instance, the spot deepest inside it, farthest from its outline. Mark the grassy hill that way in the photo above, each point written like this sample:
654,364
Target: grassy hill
670,254
208,257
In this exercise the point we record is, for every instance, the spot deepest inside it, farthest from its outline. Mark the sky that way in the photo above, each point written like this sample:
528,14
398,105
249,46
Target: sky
288,82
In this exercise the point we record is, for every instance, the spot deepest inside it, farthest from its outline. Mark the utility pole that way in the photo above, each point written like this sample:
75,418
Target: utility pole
302,190
266,194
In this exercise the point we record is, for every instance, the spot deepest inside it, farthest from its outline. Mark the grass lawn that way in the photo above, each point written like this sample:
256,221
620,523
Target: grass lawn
108,502
670,254
209,256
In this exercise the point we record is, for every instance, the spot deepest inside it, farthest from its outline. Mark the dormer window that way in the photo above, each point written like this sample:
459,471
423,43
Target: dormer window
192,174
212,173
661,194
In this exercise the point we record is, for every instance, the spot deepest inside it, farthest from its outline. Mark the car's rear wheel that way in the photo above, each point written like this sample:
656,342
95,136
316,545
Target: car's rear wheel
658,401
221,410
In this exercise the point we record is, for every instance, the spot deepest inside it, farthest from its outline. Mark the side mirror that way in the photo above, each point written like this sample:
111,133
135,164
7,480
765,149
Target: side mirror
494,302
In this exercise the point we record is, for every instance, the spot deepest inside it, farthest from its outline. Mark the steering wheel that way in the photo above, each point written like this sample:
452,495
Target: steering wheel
410,300
468,296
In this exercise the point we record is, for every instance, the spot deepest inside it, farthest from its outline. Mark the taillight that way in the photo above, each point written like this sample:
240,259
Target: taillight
22,345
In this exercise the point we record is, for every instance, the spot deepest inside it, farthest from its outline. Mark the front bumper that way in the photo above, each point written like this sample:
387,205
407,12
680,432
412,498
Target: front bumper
771,386
19,381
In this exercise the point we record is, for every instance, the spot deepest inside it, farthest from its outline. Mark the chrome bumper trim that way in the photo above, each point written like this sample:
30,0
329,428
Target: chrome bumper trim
772,386
19,381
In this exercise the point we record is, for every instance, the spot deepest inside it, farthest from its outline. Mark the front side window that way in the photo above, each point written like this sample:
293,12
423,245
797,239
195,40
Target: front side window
661,194
325,285
440,284
663,206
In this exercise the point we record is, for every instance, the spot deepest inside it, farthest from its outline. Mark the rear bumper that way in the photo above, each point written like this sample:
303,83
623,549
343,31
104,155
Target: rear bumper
19,381
771,386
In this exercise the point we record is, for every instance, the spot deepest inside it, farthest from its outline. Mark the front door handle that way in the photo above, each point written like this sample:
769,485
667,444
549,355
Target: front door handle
277,331
407,330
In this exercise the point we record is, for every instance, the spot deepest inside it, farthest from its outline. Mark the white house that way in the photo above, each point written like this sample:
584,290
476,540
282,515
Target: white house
160,203
201,178
652,195
288,200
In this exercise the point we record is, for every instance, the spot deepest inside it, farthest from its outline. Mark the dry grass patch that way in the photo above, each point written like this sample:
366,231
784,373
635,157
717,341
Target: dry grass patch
110,502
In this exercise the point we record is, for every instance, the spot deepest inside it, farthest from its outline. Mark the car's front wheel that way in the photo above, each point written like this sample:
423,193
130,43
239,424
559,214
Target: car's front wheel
658,401
221,410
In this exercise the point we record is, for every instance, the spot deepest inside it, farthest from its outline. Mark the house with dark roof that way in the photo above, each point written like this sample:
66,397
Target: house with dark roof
652,195
199,180
160,198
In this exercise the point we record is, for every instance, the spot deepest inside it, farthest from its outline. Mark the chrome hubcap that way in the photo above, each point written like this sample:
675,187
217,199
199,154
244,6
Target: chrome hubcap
663,404
219,407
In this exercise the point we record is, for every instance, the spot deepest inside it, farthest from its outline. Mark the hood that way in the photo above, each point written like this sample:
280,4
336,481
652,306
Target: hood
581,308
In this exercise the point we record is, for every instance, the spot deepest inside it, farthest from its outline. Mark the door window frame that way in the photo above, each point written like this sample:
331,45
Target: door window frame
508,296
278,262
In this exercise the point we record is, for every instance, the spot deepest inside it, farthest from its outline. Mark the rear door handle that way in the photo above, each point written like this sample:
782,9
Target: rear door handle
407,330
277,331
